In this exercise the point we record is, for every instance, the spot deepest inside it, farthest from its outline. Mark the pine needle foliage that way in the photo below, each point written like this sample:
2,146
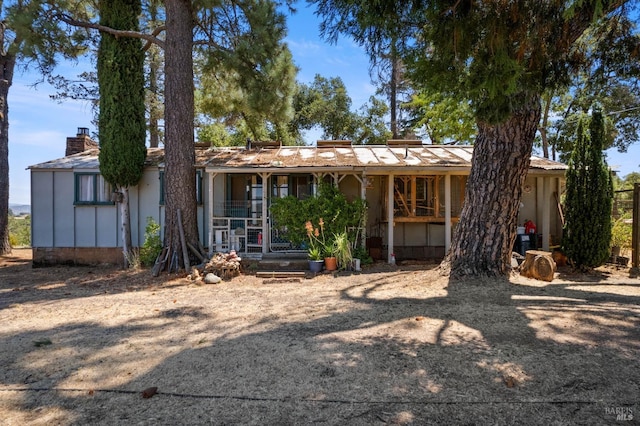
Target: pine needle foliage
589,197
122,127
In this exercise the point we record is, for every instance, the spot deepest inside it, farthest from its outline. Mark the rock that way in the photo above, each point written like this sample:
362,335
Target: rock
212,278
149,392
516,259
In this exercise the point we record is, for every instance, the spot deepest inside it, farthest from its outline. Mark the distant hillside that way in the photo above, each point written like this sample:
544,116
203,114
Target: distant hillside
19,209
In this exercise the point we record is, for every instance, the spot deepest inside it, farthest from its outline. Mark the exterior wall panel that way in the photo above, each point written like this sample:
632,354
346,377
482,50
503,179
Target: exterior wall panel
63,209
85,227
42,208
148,201
108,232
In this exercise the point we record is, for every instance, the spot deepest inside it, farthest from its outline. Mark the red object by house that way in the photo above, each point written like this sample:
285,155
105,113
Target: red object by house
529,227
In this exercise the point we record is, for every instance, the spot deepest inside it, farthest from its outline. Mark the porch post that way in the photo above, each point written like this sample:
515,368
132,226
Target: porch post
210,242
390,223
546,212
540,209
265,227
447,213
363,196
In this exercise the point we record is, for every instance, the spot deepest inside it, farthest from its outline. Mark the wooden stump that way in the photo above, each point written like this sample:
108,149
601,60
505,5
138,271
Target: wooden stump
539,265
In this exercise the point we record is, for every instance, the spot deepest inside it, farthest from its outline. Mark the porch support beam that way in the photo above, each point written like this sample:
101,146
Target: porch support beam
317,178
363,195
546,212
539,204
447,213
390,223
266,232
212,176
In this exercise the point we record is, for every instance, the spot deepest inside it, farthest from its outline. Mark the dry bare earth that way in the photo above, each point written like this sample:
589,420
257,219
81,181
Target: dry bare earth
398,346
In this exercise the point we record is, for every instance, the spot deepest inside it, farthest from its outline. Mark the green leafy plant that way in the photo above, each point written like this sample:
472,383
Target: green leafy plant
315,254
362,254
20,231
291,215
342,250
621,232
152,243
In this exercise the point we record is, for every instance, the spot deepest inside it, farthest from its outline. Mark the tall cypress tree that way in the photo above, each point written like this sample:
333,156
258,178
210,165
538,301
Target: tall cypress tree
121,124
587,231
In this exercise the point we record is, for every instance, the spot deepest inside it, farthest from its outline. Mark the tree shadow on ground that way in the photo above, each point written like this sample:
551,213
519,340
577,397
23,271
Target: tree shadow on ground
20,283
375,351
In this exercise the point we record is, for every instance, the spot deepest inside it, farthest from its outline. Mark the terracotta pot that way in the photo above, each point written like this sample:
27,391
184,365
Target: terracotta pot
330,263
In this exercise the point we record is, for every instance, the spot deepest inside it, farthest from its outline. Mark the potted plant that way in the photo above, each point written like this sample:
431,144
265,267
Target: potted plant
360,257
316,261
316,250
342,250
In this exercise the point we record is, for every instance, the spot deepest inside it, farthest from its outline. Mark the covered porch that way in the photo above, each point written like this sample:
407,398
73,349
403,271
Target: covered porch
414,194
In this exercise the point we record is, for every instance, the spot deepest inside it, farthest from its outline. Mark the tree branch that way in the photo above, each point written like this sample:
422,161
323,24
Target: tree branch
150,38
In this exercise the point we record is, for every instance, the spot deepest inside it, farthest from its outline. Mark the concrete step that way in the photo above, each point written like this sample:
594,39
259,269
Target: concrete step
283,264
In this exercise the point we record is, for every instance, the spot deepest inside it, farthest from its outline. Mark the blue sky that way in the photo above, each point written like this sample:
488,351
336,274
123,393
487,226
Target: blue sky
39,126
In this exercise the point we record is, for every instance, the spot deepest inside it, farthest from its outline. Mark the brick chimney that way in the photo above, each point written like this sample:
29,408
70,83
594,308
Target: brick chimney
80,143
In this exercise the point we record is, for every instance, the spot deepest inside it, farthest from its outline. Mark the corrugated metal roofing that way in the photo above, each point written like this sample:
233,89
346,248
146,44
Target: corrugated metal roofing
339,157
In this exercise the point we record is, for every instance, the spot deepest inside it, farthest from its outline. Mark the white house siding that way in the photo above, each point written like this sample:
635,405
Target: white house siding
540,205
63,209
436,234
147,203
108,231
85,226
42,212
41,208
418,240
219,181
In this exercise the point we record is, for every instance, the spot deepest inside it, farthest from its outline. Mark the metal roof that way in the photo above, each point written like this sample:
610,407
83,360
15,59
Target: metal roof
371,158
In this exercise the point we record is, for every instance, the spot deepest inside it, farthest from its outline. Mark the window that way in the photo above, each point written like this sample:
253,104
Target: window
92,189
280,186
421,198
198,187
414,196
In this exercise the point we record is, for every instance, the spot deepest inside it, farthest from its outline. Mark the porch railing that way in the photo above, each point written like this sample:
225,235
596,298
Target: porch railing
242,234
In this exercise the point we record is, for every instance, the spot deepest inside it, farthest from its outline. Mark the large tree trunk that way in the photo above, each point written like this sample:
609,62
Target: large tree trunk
179,177
7,64
484,237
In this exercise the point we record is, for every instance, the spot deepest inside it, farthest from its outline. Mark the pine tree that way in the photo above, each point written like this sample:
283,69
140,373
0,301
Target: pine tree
499,57
589,197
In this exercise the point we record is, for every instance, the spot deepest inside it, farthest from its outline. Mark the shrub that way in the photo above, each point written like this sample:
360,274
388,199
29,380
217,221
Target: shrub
621,232
588,202
152,243
338,215
20,231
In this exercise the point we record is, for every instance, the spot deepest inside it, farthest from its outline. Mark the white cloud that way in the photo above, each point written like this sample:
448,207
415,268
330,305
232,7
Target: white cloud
301,48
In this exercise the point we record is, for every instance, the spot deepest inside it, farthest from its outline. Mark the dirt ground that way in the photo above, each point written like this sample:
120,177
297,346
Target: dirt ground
391,345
